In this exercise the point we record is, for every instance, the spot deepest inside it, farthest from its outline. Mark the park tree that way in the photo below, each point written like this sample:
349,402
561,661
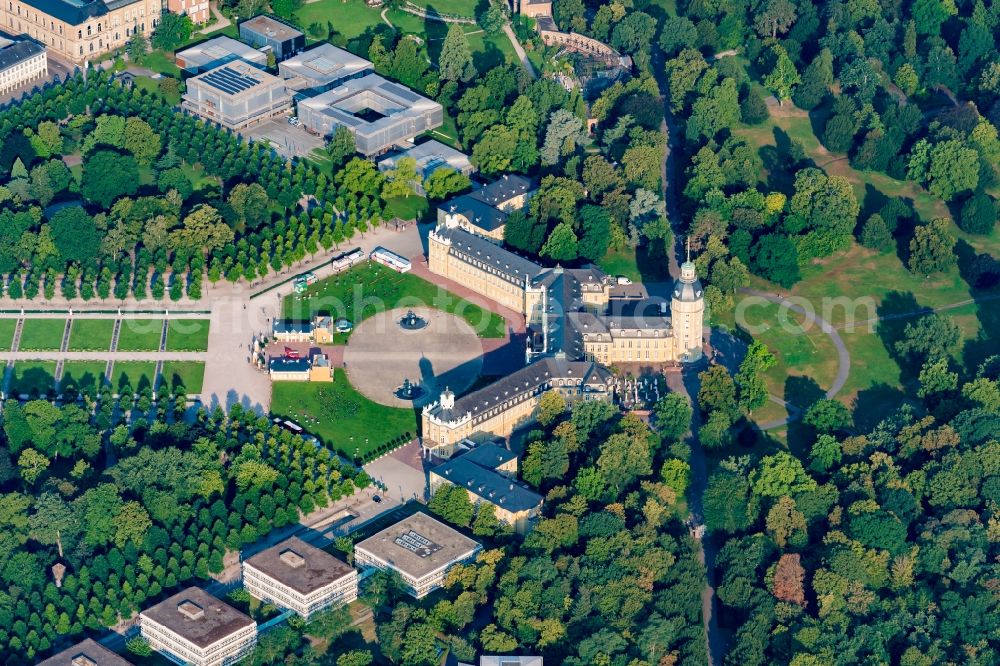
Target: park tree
75,235
816,81
452,503
673,416
931,248
717,391
775,257
750,378
979,214
753,109
563,134
947,168
677,33
875,233
551,406
444,182
172,31
201,231
250,203
634,33
595,234
139,139
783,77
32,464
715,112
341,146
495,150
97,187
932,337
828,416
562,244
455,61
400,180
822,202
779,475
825,453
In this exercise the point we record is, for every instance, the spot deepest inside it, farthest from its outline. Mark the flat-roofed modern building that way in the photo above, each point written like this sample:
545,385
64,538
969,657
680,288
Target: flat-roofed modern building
321,68
236,95
420,549
217,52
21,61
378,112
430,156
300,577
490,660
264,31
80,29
195,627
86,653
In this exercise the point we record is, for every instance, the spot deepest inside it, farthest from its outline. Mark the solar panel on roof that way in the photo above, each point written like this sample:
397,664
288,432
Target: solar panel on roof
230,81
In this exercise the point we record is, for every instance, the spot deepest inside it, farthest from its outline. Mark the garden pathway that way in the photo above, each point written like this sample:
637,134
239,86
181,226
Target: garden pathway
519,50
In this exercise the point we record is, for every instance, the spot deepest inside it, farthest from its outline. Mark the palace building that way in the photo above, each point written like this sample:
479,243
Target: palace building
80,30
581,322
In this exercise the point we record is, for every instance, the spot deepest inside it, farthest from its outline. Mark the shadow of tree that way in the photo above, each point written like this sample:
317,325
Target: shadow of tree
890,327
874,404
802,392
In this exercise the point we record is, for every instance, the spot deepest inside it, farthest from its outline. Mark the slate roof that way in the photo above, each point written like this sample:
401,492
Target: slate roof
18,52
73,13
289,326
318,568
518,386
488,485
503,189
218,620
282,364
472,248
475,210
489,456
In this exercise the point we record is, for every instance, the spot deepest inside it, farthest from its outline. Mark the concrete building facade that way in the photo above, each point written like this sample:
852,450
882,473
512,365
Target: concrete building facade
300,577
264,32
236,95
217,52
378,113
21,62
194,626
321,68
83,30
420,549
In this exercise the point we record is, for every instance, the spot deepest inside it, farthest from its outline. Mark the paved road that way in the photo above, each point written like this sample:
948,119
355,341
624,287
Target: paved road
843,356
519,50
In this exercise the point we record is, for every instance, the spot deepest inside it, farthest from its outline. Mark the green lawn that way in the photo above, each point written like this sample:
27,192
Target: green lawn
381,288
137,374
140,335
91,334
465,8
7,327
340,416
349,17
86,376
187,335
189,373
42,334
160,61
199,179
152,85
408,208
621,262
33,377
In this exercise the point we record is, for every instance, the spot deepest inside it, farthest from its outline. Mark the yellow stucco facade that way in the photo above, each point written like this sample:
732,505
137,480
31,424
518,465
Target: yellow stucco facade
82,33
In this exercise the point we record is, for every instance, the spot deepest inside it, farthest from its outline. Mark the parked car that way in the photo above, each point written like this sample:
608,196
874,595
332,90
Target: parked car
377,499
622,280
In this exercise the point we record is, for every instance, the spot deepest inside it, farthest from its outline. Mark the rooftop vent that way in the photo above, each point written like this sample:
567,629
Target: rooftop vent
190,609
83,660
291,558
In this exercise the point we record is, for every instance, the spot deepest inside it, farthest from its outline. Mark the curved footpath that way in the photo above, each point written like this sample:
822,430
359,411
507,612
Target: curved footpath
843,356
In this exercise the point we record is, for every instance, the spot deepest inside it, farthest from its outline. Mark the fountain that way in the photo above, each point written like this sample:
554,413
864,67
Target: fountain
411,322
408,390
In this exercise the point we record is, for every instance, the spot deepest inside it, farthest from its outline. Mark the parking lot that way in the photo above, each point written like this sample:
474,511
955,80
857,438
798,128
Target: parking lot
289,140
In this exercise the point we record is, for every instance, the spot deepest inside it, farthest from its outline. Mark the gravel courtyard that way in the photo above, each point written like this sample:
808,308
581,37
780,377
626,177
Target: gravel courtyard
380,354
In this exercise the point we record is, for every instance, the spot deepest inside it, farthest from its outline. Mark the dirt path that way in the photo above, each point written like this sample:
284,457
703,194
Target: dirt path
519,50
